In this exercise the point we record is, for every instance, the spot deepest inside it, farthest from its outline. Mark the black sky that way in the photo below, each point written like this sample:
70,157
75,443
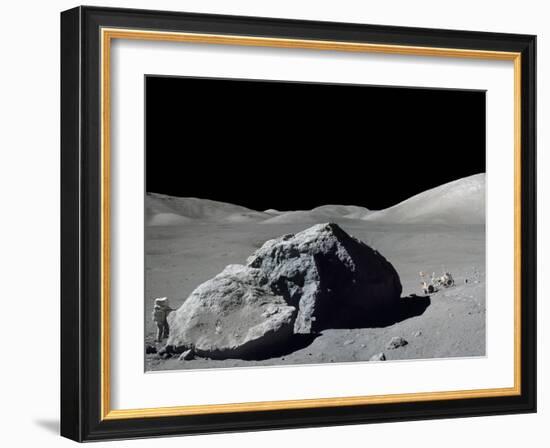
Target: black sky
295,146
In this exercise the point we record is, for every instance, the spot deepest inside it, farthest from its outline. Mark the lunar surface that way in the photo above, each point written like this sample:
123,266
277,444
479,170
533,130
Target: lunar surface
189,241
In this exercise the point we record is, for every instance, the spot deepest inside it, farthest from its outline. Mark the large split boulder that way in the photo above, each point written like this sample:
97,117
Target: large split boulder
233,315
327,274
298,283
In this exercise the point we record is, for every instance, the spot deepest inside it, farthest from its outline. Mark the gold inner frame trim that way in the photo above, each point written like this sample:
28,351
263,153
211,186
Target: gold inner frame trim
107,35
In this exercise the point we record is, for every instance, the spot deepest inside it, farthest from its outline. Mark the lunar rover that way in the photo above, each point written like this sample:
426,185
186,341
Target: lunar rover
436,283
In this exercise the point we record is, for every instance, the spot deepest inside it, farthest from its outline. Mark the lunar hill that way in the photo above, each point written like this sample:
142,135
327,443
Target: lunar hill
323,213
459,202
162,209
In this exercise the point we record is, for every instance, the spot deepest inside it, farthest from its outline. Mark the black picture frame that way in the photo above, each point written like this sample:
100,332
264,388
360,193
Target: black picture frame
81,225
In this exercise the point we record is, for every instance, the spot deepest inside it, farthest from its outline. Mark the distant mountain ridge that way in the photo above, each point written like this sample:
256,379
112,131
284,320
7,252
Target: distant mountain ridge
458,202
323,213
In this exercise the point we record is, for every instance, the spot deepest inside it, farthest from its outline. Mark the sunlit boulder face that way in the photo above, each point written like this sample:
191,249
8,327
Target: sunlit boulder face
327,274
233,315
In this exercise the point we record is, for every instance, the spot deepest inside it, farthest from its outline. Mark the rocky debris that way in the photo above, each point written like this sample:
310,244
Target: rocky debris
233,315
324,272
349,342
417,334
187,355
378,357
396,342
166,352
149,349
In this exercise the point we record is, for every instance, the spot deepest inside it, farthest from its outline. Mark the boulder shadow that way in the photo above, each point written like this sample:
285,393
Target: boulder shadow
410,306
295,342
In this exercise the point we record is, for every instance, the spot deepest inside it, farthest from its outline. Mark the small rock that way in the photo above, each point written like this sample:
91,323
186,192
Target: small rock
363,345
378,357
349,342
396,342
187,355
417,334
149,349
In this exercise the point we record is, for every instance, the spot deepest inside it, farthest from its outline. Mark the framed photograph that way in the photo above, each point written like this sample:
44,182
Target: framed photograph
273,223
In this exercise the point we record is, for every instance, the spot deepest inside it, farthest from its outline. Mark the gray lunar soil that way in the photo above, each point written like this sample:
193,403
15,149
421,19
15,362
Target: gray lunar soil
188,241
